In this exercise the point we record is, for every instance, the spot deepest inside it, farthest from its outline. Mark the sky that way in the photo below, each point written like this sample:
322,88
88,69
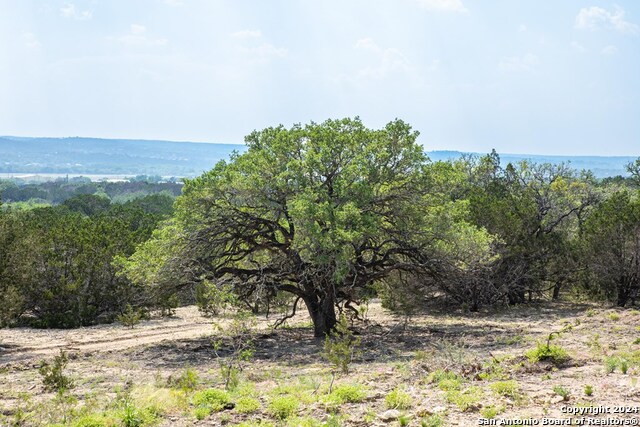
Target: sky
520,76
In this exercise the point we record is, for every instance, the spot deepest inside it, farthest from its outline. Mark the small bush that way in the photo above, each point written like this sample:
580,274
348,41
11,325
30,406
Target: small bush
53,376
561,391
490,411
614,317
610,364
347,393
434,420
588,390
247,405
505,388
130,317
398,399
465,400
93,420
187,381
283,407
552,353
340,348
214,399
202,412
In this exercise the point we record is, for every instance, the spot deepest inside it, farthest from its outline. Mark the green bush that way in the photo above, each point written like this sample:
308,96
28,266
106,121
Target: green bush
552,353
283,407
346,393
52,374
505,388
340,347
214,399
246,405
398,399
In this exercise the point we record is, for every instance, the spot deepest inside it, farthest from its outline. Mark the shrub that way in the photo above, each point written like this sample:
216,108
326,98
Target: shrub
505,388
398,399
53,376
553,353
588,390
490,411
187,381
246,405
347,393
130,317
213,399
561,391
466,399
283,407
92,420
340,348
434,420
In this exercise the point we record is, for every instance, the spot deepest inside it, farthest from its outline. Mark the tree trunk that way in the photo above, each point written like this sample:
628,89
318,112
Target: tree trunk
323,313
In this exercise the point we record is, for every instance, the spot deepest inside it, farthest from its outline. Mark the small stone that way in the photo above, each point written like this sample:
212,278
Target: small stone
390,415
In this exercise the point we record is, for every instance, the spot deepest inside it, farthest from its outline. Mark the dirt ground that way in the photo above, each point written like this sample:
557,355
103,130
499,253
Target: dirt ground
485,352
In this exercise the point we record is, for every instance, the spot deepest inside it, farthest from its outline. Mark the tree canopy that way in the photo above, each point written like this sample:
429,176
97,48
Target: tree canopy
320,211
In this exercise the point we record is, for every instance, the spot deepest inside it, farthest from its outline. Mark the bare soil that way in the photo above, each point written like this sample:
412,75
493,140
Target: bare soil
396,352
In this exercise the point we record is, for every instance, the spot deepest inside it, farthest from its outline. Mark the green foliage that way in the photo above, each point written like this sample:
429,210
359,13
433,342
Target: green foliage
465,400
434,420
490,412
283,407
130,317
398,399
187,380
237,340
561,391
341,346
505,388
346,393
53,376
247,405
553,353
588,390
213,399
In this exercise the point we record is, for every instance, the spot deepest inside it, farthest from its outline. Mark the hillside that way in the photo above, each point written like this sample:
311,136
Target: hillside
169,158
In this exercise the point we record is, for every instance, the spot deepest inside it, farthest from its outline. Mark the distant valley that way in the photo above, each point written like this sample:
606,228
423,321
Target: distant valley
93,156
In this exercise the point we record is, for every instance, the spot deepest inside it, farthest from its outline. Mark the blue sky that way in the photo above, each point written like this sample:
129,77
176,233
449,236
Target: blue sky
527,76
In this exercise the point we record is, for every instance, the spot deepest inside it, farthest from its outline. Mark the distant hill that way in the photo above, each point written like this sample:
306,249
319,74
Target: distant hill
601,166
109,156
76,156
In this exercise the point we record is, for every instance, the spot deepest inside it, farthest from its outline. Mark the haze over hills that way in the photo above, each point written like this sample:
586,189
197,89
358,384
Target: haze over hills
76,156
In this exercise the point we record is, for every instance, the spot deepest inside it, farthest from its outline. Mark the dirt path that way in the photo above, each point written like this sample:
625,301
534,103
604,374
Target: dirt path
23,344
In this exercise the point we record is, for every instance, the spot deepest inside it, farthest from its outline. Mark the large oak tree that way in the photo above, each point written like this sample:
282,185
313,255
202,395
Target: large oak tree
320,211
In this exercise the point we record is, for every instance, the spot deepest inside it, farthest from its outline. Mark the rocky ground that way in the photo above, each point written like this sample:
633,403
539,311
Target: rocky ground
428,370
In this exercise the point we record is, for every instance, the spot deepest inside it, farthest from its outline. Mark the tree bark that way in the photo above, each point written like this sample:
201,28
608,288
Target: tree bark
323,313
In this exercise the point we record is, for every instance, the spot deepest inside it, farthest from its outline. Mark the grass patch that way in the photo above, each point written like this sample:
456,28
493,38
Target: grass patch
282,407
505,388
544,352
398,399
213,399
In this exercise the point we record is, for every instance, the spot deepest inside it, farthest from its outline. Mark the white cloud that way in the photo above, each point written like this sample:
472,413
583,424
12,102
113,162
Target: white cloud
592,18
444,5
174,2
519,63
388,60
69,11
31,41
137,37
609,50
254,45
578,47
247,34
266,51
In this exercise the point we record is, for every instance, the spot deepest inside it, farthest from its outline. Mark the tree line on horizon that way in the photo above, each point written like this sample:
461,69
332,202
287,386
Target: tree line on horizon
325,216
